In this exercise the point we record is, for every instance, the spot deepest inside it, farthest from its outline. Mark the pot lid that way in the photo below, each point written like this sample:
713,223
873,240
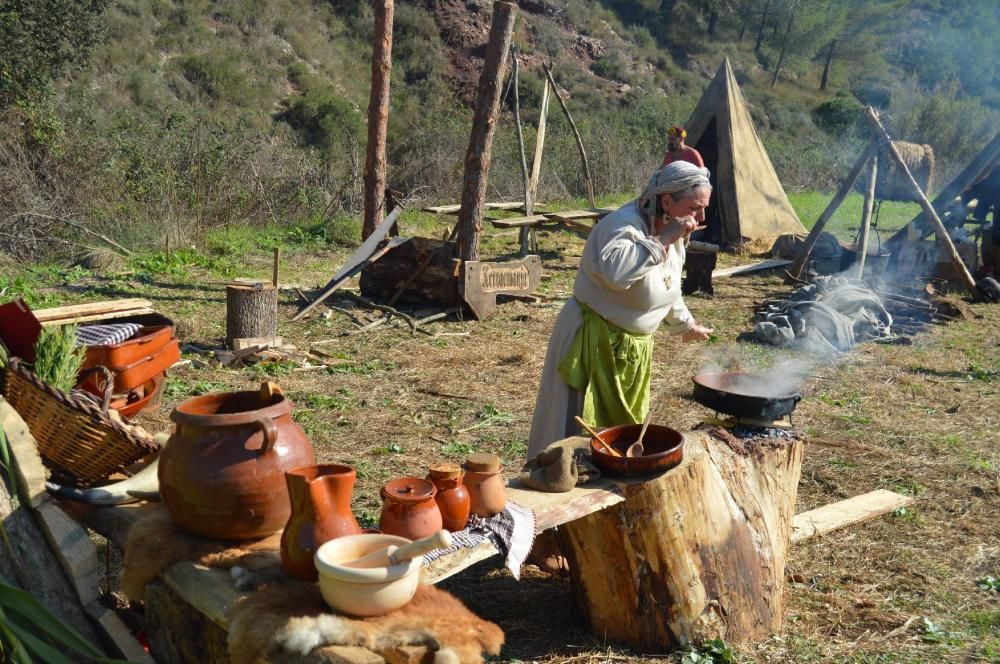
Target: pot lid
483,463
409,489
445,471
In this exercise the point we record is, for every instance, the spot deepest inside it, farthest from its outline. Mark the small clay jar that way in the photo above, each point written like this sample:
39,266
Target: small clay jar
485,484
408,508
452,497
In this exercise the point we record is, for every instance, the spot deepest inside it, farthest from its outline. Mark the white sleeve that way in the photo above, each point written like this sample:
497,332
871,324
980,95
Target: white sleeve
626,258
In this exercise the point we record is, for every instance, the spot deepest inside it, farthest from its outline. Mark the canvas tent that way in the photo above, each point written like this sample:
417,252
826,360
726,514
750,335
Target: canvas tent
747,199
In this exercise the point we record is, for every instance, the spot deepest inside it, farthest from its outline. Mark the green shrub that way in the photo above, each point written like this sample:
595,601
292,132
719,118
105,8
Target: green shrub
837,115
325,121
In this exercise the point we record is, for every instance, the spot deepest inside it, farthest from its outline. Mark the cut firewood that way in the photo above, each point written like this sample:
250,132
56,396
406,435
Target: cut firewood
846,512
266,342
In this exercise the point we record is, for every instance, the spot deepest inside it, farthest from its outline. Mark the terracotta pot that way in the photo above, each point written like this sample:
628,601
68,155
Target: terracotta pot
485,484
321,511
409,510
452,497
222,473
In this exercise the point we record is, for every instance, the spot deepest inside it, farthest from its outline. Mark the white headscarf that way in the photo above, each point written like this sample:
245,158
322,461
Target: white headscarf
672,178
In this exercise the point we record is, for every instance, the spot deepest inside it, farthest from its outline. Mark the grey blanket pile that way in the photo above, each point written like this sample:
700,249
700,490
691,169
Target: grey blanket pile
831,315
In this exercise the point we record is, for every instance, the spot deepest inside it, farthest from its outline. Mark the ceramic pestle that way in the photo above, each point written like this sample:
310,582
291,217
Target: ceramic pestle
392,555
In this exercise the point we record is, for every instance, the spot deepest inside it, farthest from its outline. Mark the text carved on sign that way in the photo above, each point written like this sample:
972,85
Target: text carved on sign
500,278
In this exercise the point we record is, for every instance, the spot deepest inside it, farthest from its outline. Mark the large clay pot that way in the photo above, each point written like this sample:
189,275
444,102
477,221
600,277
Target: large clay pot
222,473
485,484
452,497
409,510
321,511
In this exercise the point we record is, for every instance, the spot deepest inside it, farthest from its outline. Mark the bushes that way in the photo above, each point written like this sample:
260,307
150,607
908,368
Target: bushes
325,121
837,115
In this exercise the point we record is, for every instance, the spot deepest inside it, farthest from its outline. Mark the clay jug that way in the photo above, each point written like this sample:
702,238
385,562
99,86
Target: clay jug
485,484
408,508
321,511
452,497
222,473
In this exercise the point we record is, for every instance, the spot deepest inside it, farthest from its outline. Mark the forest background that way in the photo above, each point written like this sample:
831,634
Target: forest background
157,122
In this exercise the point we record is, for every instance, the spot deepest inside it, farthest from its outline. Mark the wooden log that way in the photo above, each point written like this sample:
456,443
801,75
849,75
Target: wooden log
576,136
939,229
866,216
694,554
838,198
478,157
536,164
251,311
378,116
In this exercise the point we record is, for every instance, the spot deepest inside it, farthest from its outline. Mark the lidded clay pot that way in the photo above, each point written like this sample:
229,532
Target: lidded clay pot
452,497
321,511
408,508
222,473
485,484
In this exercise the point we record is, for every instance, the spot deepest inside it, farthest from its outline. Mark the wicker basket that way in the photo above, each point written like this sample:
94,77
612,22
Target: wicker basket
76,437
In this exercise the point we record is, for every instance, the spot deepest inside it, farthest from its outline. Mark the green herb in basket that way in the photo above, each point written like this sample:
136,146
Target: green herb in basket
57,357
3,355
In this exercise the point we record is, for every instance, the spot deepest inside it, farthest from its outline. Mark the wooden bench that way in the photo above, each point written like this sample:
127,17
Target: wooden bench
454,208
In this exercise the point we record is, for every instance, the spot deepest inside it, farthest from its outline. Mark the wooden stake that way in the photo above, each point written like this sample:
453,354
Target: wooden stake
378,117
477,157
274,270
939,229
838,198
866,216
576,135
536,165
528,203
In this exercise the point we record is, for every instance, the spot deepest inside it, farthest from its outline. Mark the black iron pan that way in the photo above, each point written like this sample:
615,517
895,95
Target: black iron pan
743,395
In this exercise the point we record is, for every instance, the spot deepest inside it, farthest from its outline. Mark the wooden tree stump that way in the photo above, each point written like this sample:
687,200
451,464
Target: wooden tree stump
251,311
694,554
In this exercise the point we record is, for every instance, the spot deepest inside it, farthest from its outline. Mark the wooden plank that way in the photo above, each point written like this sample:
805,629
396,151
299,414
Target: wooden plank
846,512
752,267
28,469
116,636
454,208
208,590
113,522
73,548
518,222
141,311
75,311
264,342
592,213
451,564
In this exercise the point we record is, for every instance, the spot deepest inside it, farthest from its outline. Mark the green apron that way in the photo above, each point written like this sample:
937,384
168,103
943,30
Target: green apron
611,367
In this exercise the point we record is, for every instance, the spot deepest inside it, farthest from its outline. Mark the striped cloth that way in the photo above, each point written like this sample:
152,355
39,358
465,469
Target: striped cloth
105,335
512,532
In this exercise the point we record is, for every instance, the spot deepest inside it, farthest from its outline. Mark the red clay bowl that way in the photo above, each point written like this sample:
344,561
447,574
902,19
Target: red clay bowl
664,449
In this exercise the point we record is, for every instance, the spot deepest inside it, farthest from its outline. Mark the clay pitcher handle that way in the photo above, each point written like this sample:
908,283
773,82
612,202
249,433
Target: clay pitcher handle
270,431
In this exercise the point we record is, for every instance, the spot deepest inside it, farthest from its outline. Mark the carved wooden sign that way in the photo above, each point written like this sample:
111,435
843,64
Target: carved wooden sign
481,282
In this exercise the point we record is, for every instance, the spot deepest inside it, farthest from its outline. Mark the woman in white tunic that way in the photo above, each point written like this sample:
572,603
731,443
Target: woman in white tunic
629,282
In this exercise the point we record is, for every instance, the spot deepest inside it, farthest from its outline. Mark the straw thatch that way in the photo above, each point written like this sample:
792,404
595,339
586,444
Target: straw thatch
891,184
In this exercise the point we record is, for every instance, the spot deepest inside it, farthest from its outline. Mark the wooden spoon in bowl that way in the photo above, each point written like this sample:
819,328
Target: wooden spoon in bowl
636,449
393,555
607,448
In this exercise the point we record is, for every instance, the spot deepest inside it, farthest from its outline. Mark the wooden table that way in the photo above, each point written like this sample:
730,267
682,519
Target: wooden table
210,592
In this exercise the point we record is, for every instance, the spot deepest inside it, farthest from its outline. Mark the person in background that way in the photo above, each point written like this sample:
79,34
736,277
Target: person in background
678,151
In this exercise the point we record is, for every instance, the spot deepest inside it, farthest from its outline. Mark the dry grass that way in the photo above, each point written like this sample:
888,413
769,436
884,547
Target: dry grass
921,420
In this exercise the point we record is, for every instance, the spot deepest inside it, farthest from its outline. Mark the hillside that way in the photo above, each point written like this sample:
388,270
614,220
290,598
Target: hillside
196,114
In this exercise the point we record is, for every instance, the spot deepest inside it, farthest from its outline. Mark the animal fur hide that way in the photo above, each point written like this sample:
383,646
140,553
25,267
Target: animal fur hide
293,617
155,543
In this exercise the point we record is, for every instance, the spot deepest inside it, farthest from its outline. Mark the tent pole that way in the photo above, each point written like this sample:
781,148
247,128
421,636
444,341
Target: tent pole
845,187
939,229
866,216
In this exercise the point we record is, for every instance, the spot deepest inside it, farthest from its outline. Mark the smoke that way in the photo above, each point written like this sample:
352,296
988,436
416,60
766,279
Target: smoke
783,378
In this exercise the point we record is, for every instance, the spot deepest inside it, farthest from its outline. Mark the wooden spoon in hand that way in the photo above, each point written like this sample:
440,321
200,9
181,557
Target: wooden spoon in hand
636,449
607,448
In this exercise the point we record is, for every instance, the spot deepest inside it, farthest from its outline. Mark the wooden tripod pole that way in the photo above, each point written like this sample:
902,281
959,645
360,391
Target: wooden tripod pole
866,216
939,229
529,204
845,188
576,135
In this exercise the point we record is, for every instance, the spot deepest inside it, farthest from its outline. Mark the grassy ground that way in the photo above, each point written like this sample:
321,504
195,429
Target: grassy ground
920,420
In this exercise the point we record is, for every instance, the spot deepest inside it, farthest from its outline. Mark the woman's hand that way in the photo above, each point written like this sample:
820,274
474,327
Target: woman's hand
672,230
697,333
